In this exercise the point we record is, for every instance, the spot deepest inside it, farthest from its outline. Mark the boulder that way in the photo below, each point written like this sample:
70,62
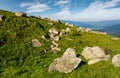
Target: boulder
36,43
67,63
59,21
115,39
20,14
81,29
68,24
56,38
67,30
54,43
1,17
95,60
116,60
38,17
93,52
43,37
54,48
50,23
47,19
54,34
53,31
88,30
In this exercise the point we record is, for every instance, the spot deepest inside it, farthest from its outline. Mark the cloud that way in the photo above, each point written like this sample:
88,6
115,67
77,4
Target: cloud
64,13
35,7
96,11
26,4
62,2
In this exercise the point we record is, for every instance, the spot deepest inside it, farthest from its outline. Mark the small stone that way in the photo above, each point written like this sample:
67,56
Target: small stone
36,43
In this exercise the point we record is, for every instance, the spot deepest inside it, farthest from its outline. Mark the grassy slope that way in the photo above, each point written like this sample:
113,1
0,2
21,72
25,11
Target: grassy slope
18,59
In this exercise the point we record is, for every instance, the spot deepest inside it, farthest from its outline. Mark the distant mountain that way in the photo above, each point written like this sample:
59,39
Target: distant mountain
105,23
82,24
111,27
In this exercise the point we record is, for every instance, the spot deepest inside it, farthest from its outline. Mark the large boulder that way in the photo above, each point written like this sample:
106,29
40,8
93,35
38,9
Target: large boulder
93,52
94,55
36,43
20,14
116,60
67,63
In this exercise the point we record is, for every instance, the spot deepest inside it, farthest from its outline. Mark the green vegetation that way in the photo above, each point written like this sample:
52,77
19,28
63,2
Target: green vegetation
19,59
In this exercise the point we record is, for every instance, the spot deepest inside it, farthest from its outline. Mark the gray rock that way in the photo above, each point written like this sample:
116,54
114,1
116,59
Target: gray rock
115,39
1,17
93,52
116,60
67,63
53,31
36,43
20,14
56,38
50,23
95,60
68,24
54,43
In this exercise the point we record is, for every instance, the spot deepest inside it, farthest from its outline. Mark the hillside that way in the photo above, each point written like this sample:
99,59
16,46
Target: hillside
20,59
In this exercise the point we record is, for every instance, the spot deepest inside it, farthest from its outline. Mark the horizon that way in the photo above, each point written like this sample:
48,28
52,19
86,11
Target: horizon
68,10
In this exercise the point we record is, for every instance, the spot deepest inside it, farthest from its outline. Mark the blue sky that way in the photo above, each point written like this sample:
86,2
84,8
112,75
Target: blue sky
71,10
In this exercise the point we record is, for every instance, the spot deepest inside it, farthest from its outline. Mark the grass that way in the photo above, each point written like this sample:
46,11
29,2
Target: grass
19,59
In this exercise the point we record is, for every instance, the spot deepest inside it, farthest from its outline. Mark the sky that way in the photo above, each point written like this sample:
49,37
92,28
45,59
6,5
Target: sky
70,10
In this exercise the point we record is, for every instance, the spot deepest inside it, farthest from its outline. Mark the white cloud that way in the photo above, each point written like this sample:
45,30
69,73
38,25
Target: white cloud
96,11
26,4
62,2
35,7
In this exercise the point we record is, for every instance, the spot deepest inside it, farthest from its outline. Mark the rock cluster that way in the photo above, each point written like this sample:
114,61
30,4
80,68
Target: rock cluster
54,36
36,43
81,29
94,54
64,31
67,63
20,14
98,32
